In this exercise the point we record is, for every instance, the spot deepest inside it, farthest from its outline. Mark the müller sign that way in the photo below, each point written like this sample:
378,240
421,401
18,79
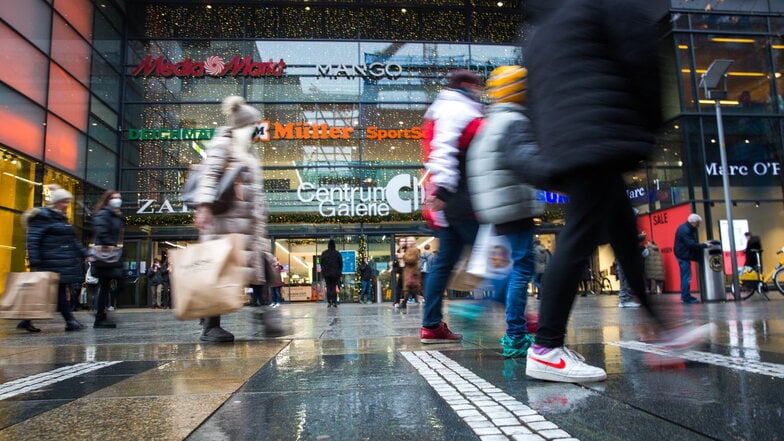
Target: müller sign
214,66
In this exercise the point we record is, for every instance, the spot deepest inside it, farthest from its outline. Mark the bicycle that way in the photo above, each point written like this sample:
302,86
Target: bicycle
756,282
597,284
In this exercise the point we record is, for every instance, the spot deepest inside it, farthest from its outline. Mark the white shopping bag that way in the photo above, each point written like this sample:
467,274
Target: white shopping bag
491,256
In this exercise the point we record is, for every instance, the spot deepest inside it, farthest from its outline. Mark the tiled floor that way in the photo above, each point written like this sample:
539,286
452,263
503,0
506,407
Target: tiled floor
359,372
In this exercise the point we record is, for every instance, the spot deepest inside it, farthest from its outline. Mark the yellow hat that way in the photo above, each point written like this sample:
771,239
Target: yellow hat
508,84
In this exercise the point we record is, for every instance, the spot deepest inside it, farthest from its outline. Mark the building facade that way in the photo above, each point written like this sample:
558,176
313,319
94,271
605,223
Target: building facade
126,94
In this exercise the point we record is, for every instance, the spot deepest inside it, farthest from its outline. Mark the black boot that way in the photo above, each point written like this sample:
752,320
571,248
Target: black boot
213,332
27,325
101,321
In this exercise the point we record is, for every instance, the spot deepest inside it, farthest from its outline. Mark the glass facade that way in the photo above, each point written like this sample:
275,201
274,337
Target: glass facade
126,94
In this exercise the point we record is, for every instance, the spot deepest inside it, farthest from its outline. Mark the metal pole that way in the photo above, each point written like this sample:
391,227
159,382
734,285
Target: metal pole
725,181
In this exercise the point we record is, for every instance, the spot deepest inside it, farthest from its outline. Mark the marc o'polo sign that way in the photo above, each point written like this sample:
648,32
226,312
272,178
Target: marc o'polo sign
214,66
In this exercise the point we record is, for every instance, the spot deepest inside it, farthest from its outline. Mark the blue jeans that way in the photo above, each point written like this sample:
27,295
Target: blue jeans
625,293
365,291
275,293
451,241
685,267
516,285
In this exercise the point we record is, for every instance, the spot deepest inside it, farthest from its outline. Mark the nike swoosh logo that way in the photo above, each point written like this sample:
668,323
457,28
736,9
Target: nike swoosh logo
560,365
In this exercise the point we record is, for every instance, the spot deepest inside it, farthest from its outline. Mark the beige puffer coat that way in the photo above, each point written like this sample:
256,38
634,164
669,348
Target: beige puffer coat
654,267
248,216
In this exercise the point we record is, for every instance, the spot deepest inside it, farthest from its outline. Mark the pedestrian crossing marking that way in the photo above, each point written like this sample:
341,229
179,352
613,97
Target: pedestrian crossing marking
37,381
488,411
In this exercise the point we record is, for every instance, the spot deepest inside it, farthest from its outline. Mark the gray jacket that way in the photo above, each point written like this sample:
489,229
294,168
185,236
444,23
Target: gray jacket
497,194
248,216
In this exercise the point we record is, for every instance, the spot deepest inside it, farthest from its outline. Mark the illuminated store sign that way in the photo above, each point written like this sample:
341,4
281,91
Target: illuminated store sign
372,71
267,131
363,201
758,168
157,134
214,66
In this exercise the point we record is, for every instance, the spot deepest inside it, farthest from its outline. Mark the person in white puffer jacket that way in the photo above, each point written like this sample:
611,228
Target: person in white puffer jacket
499,198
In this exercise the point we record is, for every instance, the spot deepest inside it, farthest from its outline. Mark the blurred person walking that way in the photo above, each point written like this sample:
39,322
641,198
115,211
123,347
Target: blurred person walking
52,246
154,283
499,198
450,124
331,269
412,277
595,106
247,214
108,226
540,266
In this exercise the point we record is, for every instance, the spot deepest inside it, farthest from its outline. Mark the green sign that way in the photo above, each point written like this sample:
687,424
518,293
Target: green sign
169,134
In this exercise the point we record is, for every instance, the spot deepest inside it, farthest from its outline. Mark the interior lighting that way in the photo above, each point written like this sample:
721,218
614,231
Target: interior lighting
722,102
404,10
499,4
756,204
209,6
683,46
307,8
733,40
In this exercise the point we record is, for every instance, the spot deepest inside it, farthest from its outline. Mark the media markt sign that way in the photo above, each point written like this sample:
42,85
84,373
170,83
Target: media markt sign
214,66
401,194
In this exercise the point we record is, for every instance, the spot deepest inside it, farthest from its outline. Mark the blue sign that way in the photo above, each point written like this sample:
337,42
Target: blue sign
349,261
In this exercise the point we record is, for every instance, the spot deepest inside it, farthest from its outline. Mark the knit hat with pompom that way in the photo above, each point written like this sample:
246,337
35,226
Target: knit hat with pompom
57,194
508,84
239,113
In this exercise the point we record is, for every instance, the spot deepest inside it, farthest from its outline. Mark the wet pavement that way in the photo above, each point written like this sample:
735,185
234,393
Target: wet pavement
359,372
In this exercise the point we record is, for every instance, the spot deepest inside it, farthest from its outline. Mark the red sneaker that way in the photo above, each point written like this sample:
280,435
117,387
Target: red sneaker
441,334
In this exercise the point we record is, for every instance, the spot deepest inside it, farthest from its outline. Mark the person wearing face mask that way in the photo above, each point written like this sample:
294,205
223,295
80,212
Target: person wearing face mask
108,226
247,215
52,246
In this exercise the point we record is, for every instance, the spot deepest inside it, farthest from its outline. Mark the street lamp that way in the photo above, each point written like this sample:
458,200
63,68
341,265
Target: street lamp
717,72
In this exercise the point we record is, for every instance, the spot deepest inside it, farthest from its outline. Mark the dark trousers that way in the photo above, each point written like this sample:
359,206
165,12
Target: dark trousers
598,211
332,289
63,305
104,297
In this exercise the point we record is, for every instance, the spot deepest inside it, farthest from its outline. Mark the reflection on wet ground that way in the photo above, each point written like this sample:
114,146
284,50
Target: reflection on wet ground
359,372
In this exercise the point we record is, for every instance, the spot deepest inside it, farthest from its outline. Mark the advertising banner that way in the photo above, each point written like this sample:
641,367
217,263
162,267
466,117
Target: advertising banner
660,227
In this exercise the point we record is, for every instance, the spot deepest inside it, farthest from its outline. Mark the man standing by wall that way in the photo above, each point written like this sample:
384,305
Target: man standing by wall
688,249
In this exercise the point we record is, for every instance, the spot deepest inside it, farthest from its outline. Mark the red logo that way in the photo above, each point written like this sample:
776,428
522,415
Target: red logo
214,66
560,365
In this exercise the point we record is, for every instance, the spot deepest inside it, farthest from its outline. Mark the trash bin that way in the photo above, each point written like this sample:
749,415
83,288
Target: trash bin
713,273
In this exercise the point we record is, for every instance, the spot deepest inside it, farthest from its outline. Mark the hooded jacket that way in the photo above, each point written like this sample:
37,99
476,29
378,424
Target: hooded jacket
451,112
52,245
593,88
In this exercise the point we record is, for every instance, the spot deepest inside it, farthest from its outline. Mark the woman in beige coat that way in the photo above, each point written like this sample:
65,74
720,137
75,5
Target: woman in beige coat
247,215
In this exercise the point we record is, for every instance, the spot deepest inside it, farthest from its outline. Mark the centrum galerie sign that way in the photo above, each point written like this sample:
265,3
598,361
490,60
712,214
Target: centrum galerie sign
363,201
214,66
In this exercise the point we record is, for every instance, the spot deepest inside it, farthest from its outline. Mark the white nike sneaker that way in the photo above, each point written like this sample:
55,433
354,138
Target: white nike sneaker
563,365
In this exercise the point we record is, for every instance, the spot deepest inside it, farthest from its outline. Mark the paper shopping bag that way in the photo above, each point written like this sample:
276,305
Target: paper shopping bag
208,278
460,279
491,256
30,295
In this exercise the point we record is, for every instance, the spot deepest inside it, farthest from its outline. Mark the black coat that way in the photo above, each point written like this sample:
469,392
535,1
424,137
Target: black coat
52,245
687,246
593,87
107,224
331,263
